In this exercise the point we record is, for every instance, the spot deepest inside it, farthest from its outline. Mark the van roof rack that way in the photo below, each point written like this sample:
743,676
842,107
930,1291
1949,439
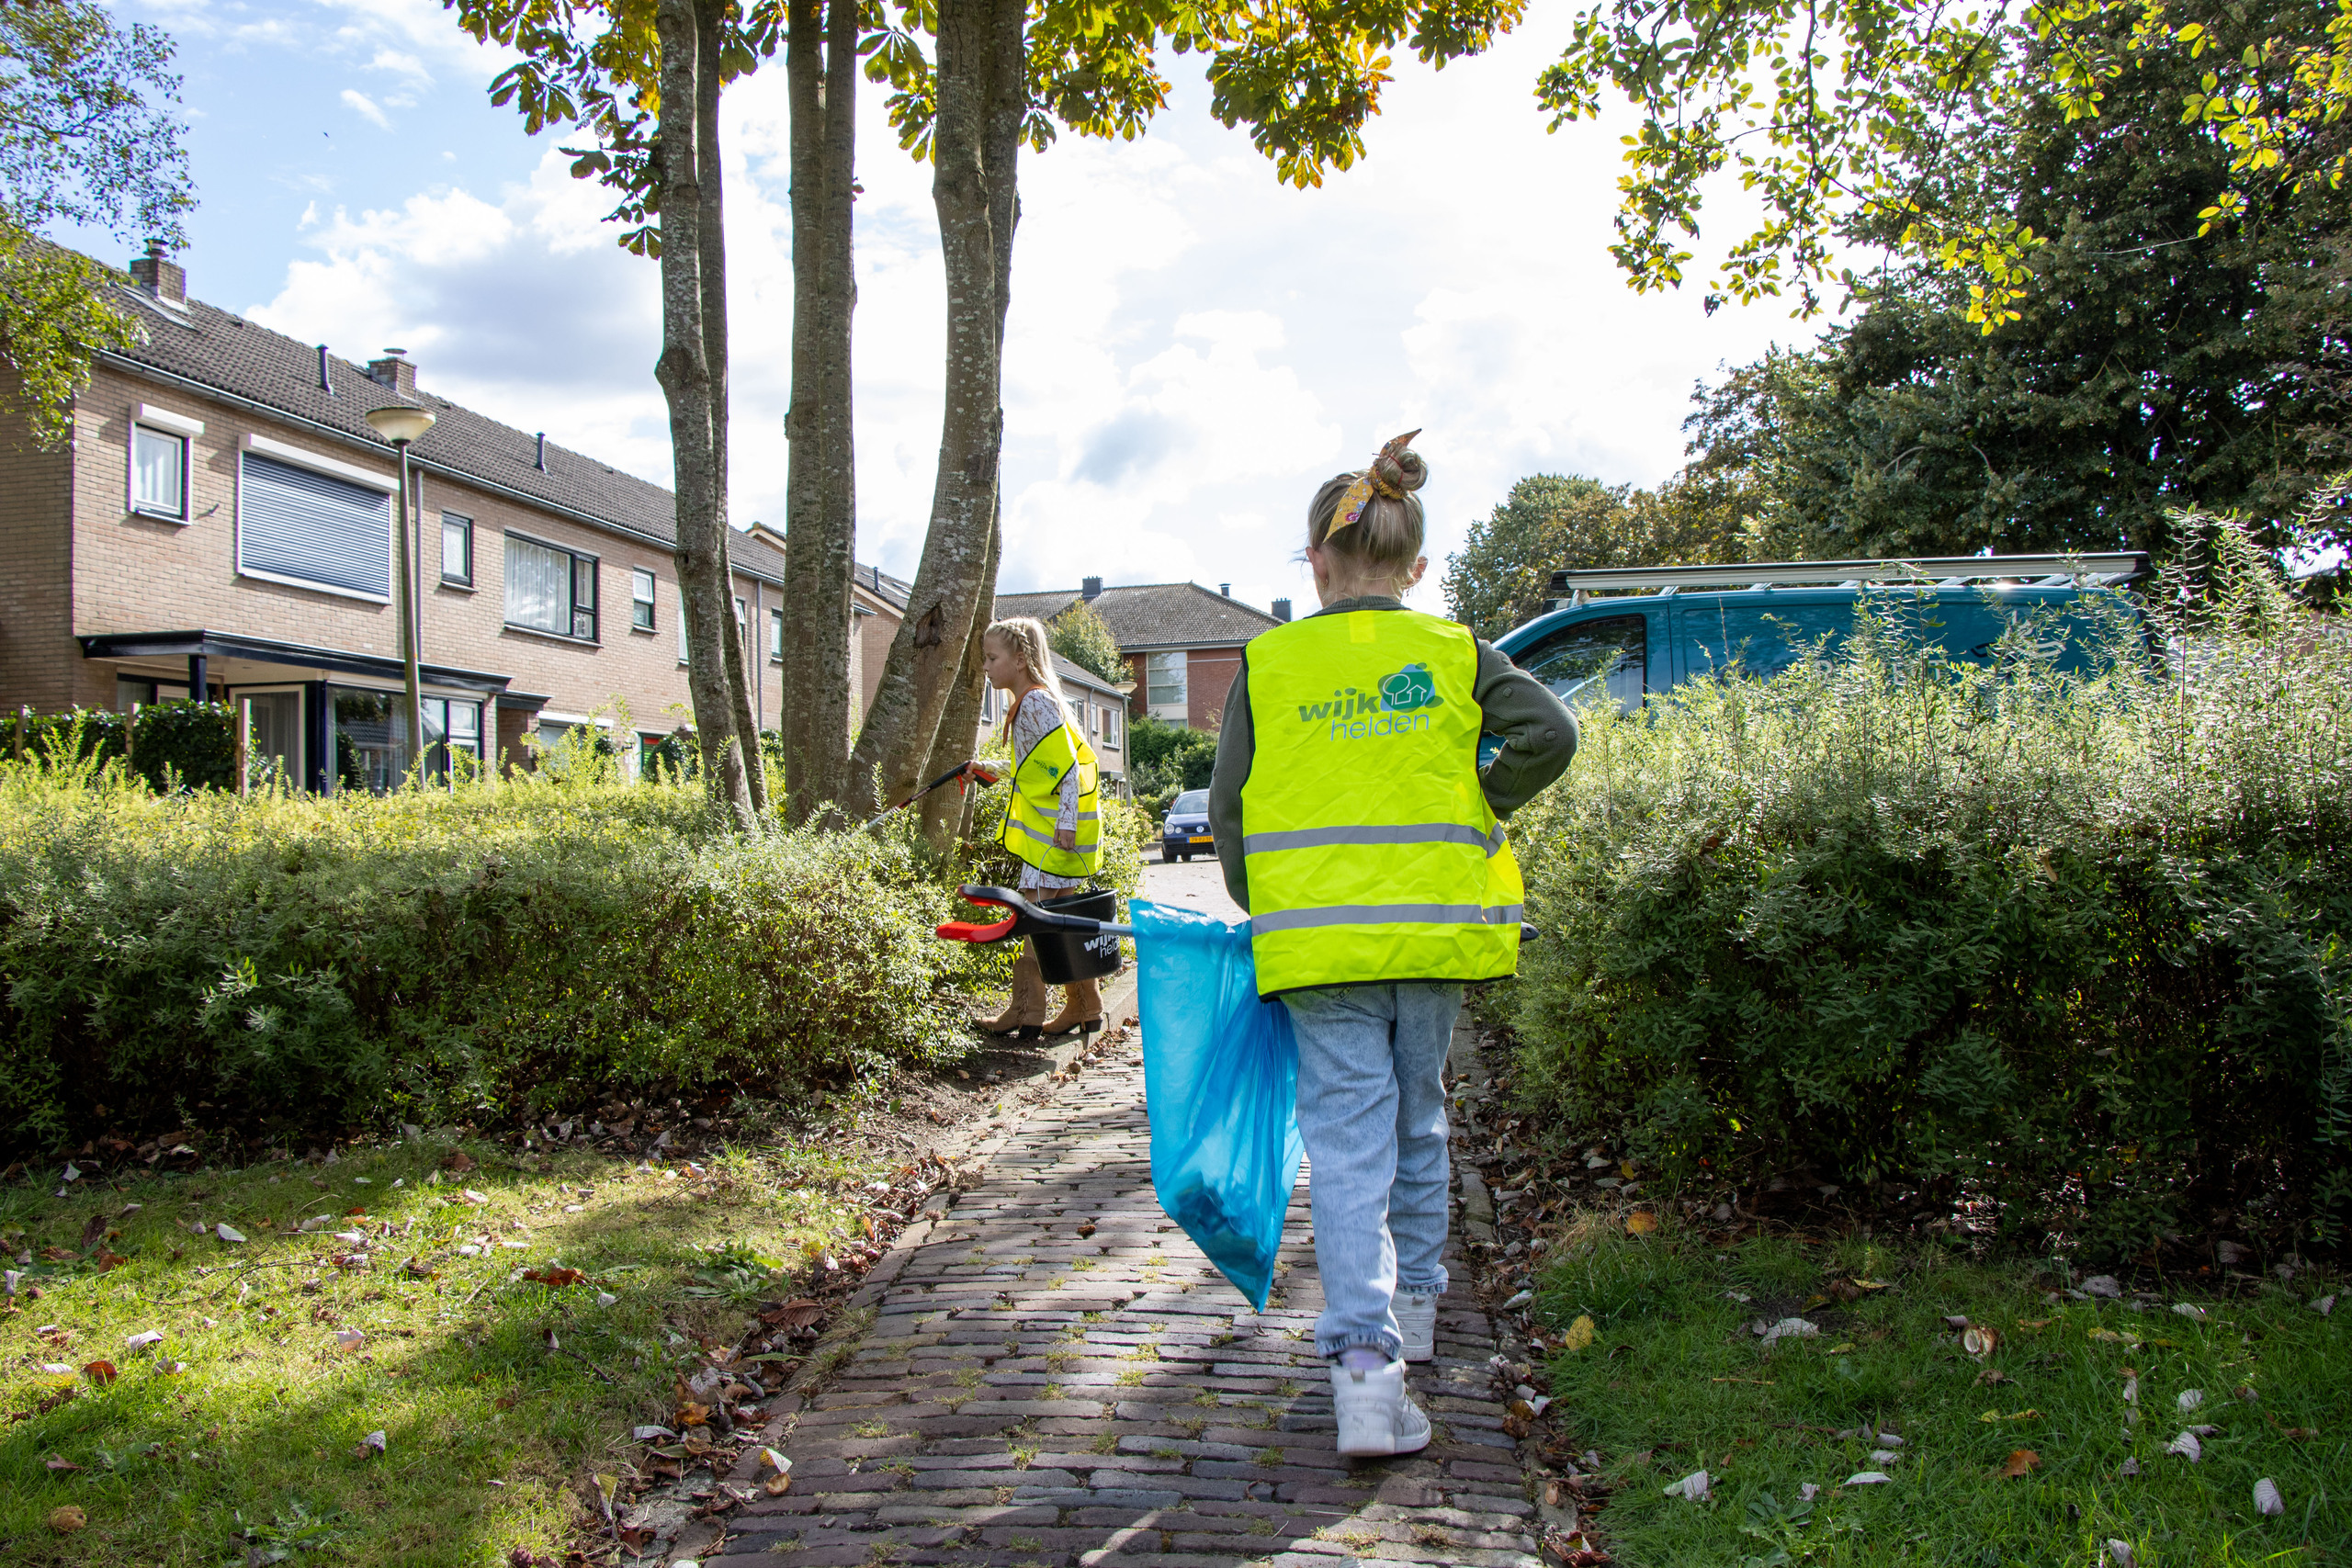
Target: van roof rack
1948,571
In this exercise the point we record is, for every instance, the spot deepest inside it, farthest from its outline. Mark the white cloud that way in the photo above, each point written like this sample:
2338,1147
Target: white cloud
1192,348
366,106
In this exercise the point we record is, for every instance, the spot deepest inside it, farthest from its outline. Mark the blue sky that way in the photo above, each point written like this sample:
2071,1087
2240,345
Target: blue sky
1192,346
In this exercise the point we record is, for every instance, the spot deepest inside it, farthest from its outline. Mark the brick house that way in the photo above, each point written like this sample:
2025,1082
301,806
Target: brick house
1183,641
221,525
877,604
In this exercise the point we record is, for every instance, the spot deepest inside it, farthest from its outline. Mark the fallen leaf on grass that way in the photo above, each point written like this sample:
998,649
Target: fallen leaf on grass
1791,1328
2103,1285
1641,1222
2266,1497
2021,1460
228,1233
1869,1478
605,1486
2324,1305
67,1519
1991,1375
468,1196
691,1413
2130,1468
144,1339
1991,1415
1693,1487
1579,1336
2191,1311
2187,1446
2190,1399
60,1464
460,1162
554,1279
1980,1342
101,1373
2300,1434
373,1443
350,1338
2119,1553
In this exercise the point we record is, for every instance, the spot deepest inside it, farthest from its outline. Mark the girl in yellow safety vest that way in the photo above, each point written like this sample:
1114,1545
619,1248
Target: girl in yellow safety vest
1354,824
1052,824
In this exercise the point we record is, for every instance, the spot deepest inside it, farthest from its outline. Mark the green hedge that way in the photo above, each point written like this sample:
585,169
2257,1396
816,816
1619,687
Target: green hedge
290,964
2074,946
186,744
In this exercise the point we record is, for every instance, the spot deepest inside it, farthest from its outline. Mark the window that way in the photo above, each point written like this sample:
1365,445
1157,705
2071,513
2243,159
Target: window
452,727
297,525
640,599
1164,685
1111,726
550,589
274,744
158,473
682,625
775,636
369,734
457,549
1589,661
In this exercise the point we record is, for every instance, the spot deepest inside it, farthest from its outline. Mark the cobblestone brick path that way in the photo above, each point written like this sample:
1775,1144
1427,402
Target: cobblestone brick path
1054,1375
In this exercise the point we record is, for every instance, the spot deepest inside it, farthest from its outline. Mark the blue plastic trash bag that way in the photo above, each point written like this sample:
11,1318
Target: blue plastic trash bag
1220,1083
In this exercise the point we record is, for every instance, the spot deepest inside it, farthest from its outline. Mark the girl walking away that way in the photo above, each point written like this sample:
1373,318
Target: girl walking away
1052,824
1354,824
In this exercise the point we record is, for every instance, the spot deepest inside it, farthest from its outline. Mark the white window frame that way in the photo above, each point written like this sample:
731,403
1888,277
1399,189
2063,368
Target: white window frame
775,634
1110,726
173,426
1179,709
301,769
638,577
318,462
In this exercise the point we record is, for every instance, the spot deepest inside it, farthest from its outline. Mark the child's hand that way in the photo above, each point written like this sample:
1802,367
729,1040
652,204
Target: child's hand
1065,838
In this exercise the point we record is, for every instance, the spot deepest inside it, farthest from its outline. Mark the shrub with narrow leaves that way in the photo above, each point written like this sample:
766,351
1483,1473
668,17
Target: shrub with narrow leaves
291,963
2078,944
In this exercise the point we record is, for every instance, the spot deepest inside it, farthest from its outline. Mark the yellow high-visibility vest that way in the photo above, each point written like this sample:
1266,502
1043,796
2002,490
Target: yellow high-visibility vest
1371,852
1036,806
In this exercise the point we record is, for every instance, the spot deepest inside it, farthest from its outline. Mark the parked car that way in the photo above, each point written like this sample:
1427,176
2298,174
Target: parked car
1659,627
1184,832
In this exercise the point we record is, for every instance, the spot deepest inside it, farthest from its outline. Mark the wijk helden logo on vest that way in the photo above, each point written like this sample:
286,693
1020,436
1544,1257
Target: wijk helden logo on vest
1398,707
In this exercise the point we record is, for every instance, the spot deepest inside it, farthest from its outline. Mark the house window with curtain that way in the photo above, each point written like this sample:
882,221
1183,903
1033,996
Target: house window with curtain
550,589
457,549
158,473
640,599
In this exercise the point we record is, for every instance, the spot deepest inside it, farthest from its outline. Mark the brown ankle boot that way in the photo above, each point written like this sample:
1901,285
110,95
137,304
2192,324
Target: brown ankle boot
1028,1009
1081,1009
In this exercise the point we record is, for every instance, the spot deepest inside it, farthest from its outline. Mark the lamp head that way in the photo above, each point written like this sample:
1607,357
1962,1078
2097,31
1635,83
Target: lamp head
400,423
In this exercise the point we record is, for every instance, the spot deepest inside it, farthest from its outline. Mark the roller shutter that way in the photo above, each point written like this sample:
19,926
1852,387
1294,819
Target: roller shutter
311,527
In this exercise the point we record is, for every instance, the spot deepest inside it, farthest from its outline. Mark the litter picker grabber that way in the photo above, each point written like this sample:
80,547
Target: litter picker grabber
984,773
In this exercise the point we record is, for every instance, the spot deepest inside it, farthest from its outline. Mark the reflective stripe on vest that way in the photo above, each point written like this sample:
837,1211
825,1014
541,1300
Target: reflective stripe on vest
1035,805
1372,853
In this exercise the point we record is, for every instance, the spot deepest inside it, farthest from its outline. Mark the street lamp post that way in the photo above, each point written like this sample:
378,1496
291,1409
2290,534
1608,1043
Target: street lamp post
400,424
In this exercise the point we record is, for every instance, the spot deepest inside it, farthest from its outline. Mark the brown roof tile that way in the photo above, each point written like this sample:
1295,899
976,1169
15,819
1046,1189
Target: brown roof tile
1153,614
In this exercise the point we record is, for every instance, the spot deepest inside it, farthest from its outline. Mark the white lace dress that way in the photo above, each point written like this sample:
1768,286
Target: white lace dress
1038,717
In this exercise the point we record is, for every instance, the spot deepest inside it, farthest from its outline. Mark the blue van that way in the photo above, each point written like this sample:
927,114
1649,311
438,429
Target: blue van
1661,626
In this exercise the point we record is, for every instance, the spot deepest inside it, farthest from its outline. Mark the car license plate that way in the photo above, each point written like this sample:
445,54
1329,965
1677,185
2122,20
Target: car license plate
1201,837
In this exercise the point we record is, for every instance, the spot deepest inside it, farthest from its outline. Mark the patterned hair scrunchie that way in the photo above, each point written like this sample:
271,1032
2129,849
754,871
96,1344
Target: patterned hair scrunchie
1359,495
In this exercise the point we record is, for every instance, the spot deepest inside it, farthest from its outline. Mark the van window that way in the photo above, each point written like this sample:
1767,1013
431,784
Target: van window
1588,662
1763,640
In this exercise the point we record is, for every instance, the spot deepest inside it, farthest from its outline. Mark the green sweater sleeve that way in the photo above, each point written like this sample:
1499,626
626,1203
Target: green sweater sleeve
1538,741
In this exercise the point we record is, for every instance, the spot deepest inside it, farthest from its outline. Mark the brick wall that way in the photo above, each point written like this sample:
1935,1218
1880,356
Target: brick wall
38,660
136,574
1208,675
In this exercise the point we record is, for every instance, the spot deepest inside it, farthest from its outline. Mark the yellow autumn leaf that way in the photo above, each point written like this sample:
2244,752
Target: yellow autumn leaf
1579,1336
1641,1224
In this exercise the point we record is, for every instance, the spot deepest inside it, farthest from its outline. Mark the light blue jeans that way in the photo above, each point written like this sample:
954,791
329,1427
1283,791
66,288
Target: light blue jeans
1372,1113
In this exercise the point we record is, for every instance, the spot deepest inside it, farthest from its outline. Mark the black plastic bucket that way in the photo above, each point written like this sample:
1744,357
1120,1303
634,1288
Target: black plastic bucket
1064,956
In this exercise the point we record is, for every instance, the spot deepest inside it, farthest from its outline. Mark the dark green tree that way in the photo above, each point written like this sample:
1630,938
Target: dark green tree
2159,361
1079,635
1502,575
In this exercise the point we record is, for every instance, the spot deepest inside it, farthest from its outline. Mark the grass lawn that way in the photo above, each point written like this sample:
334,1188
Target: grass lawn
1677,1380
498,1398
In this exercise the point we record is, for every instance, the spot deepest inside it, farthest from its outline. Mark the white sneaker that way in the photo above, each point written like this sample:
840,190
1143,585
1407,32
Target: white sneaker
1376,1415
1416,1322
